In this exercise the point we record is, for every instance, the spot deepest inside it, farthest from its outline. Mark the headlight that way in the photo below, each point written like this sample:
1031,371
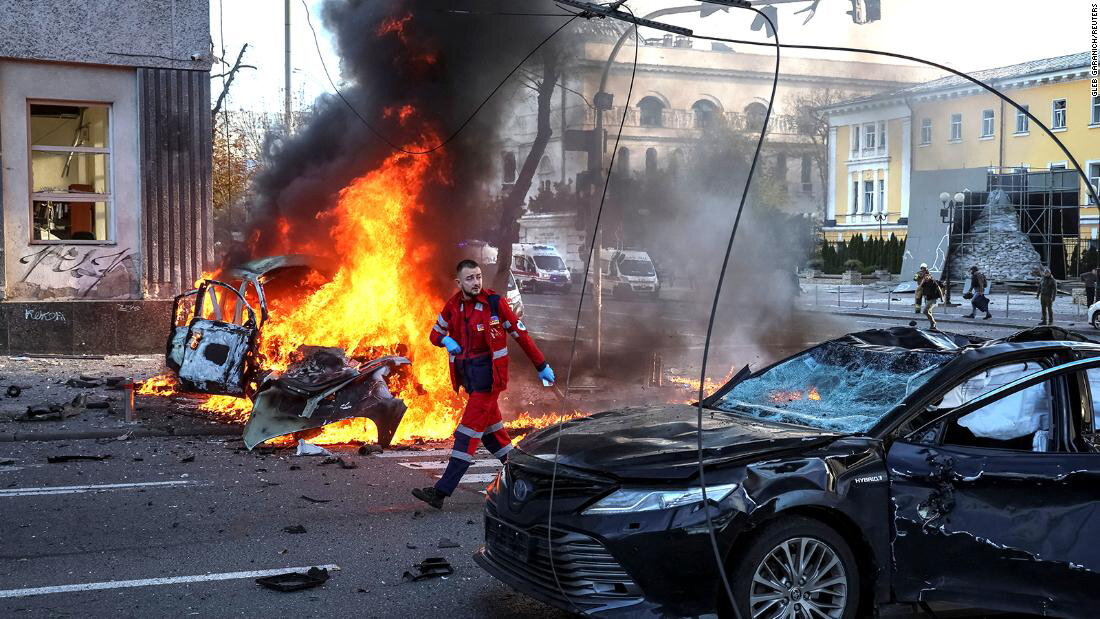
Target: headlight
629,500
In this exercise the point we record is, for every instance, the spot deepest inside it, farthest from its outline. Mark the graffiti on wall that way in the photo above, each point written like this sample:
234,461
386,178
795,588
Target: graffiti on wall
87,268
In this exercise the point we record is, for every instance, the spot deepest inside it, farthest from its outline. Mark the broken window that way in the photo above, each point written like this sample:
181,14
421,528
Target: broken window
70,177
1058,114
651,112
833,386
956,127
1020,421
926,131
987,123
1022,120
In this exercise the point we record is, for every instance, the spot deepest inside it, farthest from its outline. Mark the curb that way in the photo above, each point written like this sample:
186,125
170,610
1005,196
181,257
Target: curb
951,320
76,435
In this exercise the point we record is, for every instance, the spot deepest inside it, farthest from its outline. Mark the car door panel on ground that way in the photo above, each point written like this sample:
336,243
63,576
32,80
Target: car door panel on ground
1000,499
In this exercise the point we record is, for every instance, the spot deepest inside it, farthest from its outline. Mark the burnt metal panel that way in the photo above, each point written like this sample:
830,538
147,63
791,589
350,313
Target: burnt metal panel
175,174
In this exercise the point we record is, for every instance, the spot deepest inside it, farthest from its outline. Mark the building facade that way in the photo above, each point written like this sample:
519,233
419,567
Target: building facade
949,135
105,133
679,92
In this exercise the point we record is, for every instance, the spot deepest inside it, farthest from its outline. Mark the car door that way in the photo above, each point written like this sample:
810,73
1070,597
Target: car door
996,503
217,353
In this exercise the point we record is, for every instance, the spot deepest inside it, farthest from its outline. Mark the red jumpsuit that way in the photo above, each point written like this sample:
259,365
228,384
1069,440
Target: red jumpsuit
480,326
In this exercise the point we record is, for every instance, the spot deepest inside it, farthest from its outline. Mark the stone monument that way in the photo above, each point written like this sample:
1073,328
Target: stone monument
996,244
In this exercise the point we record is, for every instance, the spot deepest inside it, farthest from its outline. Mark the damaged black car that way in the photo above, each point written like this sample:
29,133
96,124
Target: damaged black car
891,465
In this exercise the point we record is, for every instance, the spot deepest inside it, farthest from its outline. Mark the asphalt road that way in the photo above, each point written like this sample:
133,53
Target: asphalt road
92,538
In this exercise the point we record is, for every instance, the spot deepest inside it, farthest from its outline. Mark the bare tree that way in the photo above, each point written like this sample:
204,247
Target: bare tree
812,122
512,204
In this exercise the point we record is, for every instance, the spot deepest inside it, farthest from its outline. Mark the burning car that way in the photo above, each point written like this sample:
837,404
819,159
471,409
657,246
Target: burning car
895,465
213,348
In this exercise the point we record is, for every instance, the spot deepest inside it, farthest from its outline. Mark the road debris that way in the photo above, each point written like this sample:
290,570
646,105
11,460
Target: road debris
188,458
294,529
81,383
295,581
76,457
14,391
306,448
367,449
343,463
313,500
432,567
448,543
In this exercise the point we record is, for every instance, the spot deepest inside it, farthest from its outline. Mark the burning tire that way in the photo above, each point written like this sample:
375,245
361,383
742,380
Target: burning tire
796,567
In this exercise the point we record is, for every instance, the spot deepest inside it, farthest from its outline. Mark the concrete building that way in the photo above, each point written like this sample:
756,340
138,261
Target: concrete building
105,131
679,91
892,155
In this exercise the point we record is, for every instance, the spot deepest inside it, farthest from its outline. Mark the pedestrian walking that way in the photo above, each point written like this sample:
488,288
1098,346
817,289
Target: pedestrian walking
931,293
1089,280
978,301
919,277
1048,287
474,327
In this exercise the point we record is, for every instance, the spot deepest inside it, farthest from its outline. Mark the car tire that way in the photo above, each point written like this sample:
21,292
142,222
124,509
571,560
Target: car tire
1095,322
764,556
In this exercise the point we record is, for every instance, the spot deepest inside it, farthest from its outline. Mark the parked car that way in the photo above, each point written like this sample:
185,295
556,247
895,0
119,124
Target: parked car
1094,315
895,465
538,268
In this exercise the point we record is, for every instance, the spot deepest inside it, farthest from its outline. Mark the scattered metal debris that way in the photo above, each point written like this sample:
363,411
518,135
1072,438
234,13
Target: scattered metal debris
188,458
343,464
97,404
313,500
76,457
294,529
445,542
432,567
7,462
45,409
81,383
367,449
295,581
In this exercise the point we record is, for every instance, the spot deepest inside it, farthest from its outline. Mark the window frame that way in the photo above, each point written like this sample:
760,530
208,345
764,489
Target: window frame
107,151
868,197
988,119
1022,119
1089,164
870,137
954,133
925,131
1054,114
1094,112
855,196
881,195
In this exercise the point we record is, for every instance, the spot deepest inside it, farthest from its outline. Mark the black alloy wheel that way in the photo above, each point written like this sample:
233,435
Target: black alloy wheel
795,568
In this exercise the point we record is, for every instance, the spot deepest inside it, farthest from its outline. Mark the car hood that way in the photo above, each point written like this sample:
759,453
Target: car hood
661,442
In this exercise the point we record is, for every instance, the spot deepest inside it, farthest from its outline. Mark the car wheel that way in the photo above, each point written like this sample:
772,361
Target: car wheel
1095,320
796,567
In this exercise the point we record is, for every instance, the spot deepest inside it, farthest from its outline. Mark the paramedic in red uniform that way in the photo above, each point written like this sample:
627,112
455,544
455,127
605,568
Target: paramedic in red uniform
474,327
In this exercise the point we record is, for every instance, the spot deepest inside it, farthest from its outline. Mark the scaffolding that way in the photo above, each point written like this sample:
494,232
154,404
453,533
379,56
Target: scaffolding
1048,212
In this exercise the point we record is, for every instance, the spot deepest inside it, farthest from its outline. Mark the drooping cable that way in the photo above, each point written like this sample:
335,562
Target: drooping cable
593,251
461,125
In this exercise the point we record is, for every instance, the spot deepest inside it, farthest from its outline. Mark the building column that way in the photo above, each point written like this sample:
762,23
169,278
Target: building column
906,163
830,204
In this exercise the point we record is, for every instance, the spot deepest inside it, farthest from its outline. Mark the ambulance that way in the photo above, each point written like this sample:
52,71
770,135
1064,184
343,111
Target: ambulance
629,272
538,268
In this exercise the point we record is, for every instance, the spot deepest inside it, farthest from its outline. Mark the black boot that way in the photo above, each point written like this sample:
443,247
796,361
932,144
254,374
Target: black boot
970,315
987,316
430,495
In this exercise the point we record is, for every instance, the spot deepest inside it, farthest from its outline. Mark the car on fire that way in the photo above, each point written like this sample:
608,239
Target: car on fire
213,346
890,465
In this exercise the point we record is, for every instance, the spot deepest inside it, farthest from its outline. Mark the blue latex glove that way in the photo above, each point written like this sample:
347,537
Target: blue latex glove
547,374
451,345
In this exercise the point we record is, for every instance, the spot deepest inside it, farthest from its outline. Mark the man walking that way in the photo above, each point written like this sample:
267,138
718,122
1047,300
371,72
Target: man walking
1089,280
919,278
978,302
1048,287
931,292
474,327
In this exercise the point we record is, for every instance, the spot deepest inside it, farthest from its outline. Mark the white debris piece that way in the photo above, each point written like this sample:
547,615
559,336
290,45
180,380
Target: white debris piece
309,449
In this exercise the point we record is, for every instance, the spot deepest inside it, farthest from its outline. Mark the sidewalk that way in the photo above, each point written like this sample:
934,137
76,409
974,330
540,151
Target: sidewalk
1013,310
85,405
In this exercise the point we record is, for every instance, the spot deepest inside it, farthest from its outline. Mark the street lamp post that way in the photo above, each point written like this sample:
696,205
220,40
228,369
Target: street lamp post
950,202
880,217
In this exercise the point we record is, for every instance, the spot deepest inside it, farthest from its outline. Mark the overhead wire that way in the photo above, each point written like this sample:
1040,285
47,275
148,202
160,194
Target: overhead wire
462,125
593,254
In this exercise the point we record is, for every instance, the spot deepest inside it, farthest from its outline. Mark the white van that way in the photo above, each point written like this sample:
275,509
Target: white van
629,271
540,267
486,255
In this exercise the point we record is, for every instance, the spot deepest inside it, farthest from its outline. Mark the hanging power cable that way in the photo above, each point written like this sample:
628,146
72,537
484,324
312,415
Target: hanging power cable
462,125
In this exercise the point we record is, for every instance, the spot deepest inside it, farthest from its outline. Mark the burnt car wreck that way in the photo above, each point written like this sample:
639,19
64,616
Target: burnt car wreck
895,465
213,348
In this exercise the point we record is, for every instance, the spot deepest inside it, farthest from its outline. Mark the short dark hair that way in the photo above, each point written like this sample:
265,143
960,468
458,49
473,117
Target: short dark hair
466,264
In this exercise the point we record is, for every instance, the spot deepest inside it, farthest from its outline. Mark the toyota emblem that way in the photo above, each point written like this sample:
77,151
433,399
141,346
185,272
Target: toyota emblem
520,490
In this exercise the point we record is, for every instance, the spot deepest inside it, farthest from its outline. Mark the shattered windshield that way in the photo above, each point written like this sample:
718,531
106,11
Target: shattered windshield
636,268
550,263
834,387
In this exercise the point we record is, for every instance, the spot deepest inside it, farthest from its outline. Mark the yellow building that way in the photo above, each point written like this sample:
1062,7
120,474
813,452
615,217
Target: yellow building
892,155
